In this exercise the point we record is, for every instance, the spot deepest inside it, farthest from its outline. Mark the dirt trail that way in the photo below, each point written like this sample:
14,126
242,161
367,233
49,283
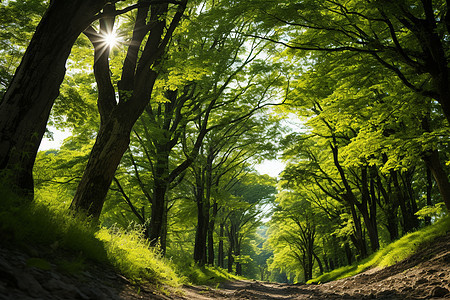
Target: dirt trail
425,275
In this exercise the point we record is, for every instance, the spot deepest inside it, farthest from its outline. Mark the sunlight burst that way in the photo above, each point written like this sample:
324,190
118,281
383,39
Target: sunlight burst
111,40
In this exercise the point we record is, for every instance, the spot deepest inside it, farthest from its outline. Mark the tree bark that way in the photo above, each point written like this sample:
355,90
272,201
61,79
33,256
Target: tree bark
429,190
111,143
160,186
135,89
230,258
433,163
202,199
211,225
26,105
201,234
220,250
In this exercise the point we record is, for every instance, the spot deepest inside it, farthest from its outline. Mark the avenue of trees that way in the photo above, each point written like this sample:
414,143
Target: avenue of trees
171,104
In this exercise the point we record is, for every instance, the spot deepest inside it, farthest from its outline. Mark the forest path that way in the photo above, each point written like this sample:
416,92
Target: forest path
425,275
248,289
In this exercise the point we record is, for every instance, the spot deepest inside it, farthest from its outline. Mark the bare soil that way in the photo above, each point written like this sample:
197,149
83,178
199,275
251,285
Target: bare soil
425,275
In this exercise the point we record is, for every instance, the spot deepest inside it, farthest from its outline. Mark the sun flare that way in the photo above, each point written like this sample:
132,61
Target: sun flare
111,40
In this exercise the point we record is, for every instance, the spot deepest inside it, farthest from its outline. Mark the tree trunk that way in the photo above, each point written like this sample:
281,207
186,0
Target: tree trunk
429,190
201,234
211,226
220,250
392,223
348,254
368,209
135,89
158,215
111,143
230,260
230,256
433,162
319,262
358,237
408,218
26,104
237,253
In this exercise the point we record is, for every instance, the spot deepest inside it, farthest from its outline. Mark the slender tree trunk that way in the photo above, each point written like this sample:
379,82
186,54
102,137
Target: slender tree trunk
201,235
159,205
237,253
348,254
203,193
319,262
230,254
359,241
429,189
220,250
408,223
368,210
211,226
26,104
433,162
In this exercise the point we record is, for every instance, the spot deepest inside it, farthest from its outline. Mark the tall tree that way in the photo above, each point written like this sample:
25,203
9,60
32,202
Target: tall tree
407,38
26,104
134,90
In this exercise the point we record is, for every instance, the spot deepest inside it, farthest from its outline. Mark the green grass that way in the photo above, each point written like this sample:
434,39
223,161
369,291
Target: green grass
51,226
207,275
392,253
129,252
194,274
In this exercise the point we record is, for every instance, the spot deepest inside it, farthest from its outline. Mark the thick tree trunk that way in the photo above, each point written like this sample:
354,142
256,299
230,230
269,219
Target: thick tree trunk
112,141
135,89
26,105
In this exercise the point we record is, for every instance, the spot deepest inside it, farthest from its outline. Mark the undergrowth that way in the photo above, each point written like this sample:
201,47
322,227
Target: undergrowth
129,252
392,253
52,226
205,275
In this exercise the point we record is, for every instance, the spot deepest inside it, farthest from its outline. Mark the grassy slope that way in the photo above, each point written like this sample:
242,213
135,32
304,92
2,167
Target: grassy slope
392,253
51,227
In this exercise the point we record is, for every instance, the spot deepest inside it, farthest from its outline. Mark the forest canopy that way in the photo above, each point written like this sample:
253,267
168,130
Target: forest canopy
172,104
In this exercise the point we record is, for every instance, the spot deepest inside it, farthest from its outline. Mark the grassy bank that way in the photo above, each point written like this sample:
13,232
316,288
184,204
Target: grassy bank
392,253
49,225
52,228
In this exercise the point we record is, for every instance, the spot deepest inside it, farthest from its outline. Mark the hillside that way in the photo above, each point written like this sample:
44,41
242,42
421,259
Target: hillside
38,273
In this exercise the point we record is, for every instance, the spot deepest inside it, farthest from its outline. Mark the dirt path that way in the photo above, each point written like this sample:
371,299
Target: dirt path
425,275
